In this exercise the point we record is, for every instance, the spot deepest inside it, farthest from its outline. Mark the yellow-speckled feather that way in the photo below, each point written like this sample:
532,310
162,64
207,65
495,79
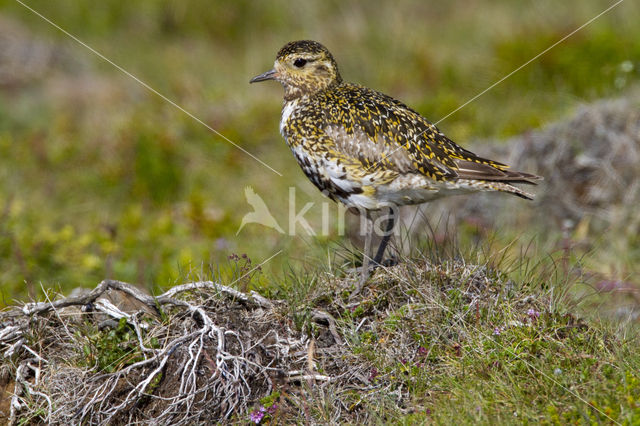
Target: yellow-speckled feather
366,149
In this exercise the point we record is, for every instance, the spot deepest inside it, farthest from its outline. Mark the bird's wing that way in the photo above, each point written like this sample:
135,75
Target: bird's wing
384,134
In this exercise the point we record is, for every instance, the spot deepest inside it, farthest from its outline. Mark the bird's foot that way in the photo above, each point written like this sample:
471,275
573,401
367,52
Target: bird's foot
359,270
366,273
387,263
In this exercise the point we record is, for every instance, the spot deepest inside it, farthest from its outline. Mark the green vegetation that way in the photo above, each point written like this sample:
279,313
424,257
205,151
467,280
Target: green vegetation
431,340
480,350
100,178
111,349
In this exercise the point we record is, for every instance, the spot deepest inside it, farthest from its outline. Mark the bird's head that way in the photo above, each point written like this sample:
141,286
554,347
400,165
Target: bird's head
303,68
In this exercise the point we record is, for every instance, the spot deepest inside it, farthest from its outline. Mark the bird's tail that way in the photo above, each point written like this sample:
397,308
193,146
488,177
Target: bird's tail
486,185
491,173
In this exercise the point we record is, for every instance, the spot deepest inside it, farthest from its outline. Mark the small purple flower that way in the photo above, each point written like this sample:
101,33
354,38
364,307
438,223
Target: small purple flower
422,350
373,374
272,409
233,256
256,415
533,314
496,331
403,361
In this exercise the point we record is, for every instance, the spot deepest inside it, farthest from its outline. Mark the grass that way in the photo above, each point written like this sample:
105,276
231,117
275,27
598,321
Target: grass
496,356
435,339
135,190
477,344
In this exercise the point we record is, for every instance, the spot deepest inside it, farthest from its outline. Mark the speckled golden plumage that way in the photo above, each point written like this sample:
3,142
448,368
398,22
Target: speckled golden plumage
366,149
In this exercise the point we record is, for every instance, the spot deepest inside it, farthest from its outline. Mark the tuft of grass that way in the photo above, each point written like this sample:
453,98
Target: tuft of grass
502,340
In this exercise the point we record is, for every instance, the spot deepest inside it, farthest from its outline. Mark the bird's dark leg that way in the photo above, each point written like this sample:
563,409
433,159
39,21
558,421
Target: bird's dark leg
386,237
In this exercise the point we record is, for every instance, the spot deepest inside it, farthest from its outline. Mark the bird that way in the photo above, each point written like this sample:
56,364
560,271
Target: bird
370,151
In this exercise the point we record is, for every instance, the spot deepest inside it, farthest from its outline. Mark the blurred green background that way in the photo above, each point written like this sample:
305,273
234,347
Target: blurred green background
101,178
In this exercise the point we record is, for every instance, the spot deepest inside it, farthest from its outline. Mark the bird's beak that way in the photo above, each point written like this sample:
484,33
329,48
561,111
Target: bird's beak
269,75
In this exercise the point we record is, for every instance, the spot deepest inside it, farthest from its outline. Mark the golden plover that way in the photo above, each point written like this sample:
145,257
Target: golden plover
368,150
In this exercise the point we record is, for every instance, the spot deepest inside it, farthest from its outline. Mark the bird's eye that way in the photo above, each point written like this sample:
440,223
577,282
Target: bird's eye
300,62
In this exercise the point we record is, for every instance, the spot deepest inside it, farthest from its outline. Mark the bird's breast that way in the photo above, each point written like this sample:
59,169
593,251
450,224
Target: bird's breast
288,110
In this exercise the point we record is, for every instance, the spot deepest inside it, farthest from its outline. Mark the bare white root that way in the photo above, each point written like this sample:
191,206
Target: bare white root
218,352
